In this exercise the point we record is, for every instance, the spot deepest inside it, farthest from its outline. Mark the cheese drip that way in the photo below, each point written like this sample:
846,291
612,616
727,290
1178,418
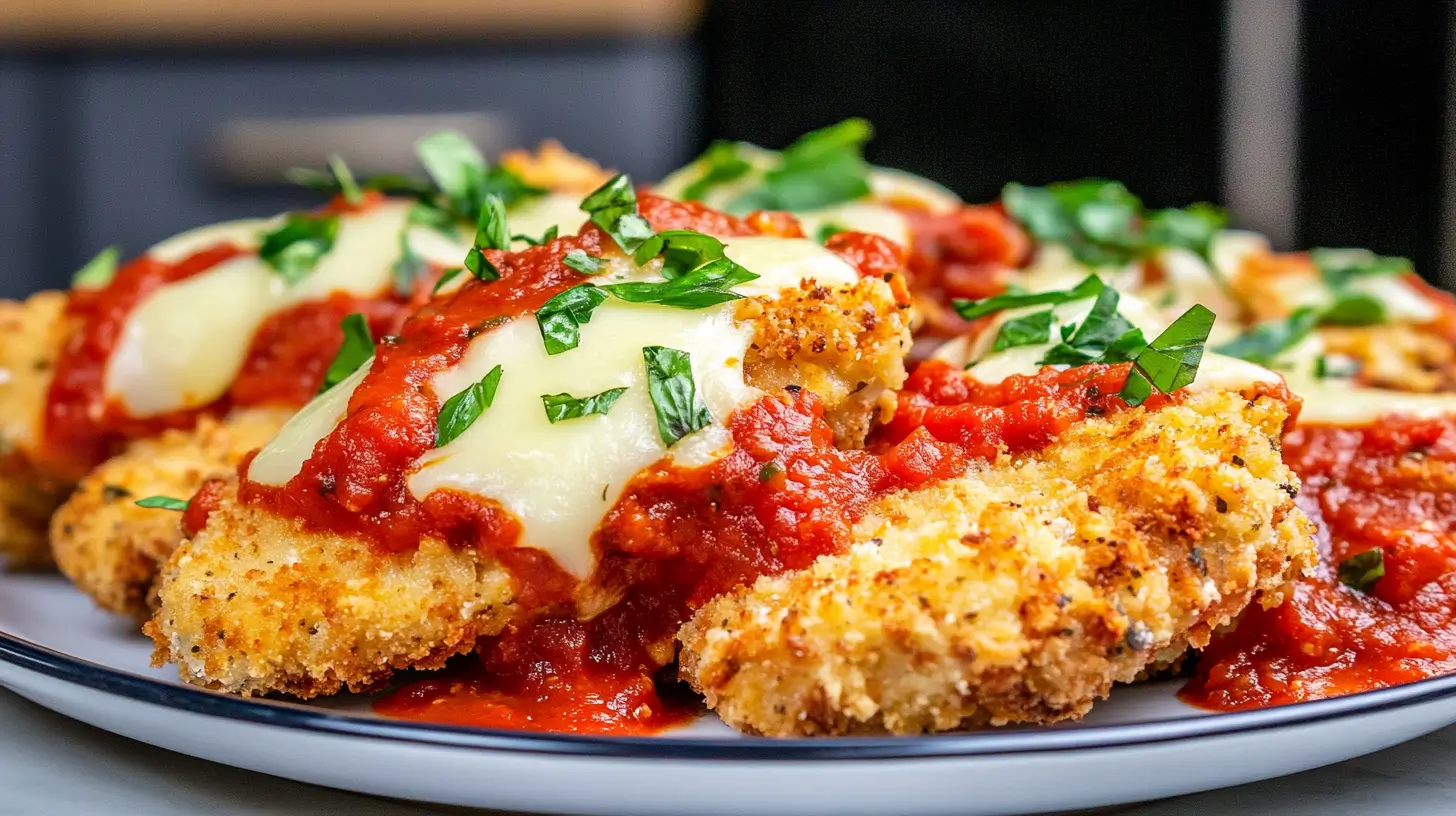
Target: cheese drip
560,480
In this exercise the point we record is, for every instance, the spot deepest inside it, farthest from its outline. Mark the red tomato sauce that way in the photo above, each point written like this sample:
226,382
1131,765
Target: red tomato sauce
970,253
284,365
1391,485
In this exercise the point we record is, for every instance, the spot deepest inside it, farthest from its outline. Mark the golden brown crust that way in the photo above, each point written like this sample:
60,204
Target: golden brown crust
1397,356
32,334
1023,591
553,167
254,604
109,547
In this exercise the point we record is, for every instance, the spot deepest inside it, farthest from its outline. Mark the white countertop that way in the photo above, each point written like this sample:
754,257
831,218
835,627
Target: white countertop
51,765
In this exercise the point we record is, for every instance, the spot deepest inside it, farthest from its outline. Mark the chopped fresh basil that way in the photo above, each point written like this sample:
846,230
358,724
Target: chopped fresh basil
1104,336
561,317
827,231
1354,309
1091,286
547,237
348,187
1360,571
721,164
1335,367
819,169
441,221
768,471
613,207
460,411
1095,219
453,163
708,285
1266,341
294,249
491,232
450,274
1339,267
162,503
357,348
565,406
408,268
578,260
1192,228
1031,330
674,394
1171,361
99,271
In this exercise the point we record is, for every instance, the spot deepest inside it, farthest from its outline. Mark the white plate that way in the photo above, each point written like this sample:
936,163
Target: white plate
57,650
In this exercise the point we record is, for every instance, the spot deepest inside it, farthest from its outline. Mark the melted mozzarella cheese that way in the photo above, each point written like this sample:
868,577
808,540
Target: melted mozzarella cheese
1343,402
859,216
559,480
889,184
533,216
185,343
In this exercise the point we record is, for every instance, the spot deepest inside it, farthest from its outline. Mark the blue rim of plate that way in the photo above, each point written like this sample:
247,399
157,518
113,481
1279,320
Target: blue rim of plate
45,661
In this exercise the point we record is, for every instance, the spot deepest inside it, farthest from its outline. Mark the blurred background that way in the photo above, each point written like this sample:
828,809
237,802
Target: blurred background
1324,122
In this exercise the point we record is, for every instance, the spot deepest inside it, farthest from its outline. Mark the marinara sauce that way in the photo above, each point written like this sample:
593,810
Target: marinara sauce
284,364
1392,486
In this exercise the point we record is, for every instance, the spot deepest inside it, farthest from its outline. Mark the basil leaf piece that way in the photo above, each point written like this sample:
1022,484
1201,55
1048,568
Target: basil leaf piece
564,406
1192,228
1266,341
450,274
578,261
1031,330
1340,266
348,187
460,411
453,163
1354,309
674,394
1360,571
423,214
547,237
1335,367
613,207
1091,286
357,348
827,231
708,285
1103,328
162,503
561,317
769,470
408,268
821,168
1171,360
721,164
99,271
294,249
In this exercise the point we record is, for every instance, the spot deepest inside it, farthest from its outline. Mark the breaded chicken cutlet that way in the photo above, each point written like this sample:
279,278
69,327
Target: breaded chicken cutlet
1023,591
258,602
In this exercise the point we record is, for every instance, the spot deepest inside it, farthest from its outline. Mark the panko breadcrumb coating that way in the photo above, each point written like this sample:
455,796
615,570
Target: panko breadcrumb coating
111,548
1021,592
256,603
31,336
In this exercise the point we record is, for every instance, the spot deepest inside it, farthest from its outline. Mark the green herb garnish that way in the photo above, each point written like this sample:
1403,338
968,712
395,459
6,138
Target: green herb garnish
819,169
1265,341
408,268
561,318
1090,287
1171,361
579,261
460,411
449,274
99,271
565,406
547,237
1335,367
827,231
769,470
613,207
357,348
294,249
490,233
348,187
721,164
1339,267
674,394
1031,330
1103,336
1354,309
1360,571
162,503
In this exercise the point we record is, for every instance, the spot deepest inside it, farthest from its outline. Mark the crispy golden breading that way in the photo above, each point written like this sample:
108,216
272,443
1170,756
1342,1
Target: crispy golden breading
109,547
553,167
257,604
1021,592
254,604
31,336
1397,356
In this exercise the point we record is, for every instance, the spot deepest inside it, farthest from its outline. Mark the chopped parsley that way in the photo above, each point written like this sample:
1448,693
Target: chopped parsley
490,233
1265,341
561,317
1031,330
721,164
357,348
579,261
1360,571
674,394
294,249
819,169
162,503
564,406
1171,361
1091,286
613,207
460,411
99,271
